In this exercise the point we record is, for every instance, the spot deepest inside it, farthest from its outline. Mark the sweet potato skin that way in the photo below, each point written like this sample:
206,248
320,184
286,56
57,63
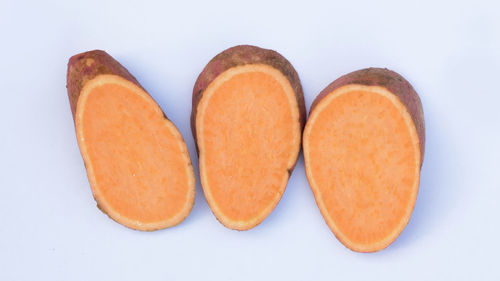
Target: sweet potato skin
242,55
86,66
393,82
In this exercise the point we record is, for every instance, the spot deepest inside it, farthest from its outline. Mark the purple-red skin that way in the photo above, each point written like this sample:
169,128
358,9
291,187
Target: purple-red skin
242,55
86,66
391,81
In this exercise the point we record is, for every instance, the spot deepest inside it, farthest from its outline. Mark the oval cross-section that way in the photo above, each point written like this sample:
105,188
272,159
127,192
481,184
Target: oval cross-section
137,162
248,135
362,157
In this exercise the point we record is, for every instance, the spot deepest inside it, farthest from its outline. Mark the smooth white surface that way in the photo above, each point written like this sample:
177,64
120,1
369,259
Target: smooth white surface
51,230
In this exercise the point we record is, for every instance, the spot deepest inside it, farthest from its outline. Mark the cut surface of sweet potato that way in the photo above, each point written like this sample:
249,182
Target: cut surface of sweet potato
137,162
248,130
249,138
363,158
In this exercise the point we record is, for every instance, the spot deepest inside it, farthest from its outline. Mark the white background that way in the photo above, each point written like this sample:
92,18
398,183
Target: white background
50,228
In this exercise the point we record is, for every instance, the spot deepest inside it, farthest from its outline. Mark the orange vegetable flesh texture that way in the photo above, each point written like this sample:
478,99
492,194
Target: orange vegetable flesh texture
250,138
363,161
139,166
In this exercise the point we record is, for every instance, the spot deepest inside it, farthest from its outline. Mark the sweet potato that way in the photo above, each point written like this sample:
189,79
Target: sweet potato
137,162
247,119
363,149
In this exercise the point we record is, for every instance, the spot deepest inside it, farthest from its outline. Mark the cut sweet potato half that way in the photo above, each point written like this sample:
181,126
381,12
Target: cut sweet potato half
137,162
363,150
247,119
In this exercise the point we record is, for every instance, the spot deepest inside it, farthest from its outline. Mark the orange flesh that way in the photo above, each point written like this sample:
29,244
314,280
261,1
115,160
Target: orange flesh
363,160
140,171
249,139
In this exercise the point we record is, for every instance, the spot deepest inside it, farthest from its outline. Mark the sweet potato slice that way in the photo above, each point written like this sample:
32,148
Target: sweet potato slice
137,162
363,150
247,119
